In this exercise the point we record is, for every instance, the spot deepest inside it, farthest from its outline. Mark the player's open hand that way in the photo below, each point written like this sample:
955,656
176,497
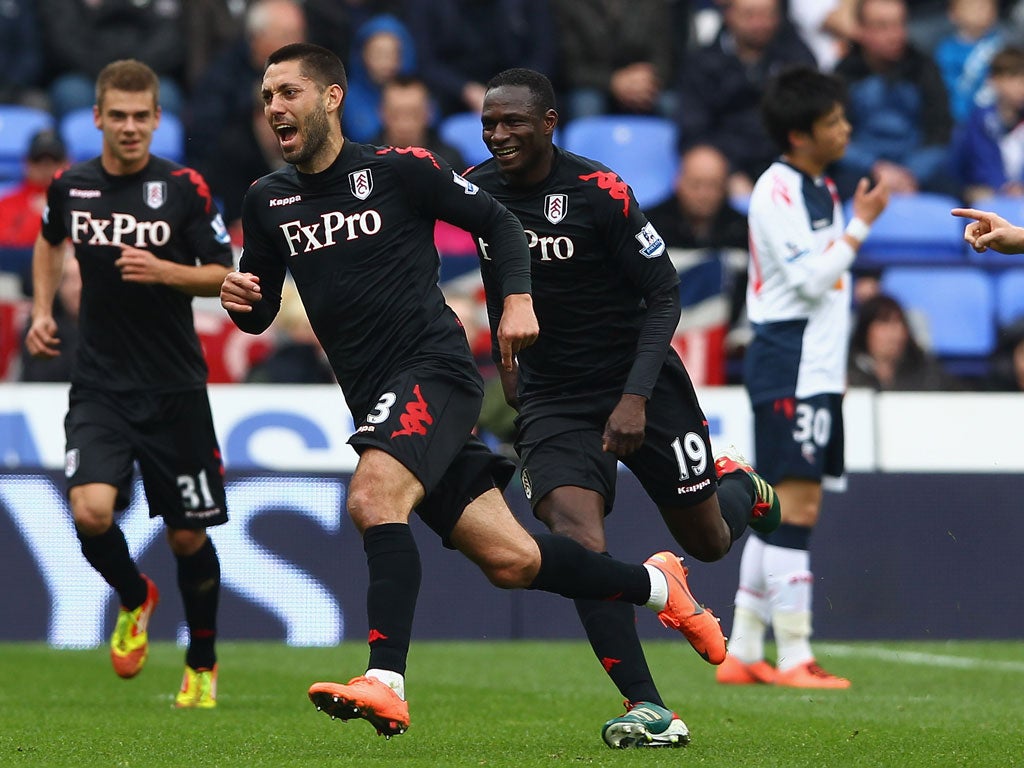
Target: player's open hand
989,230
868,201
518,328
41,339
240,291
139,266
624,431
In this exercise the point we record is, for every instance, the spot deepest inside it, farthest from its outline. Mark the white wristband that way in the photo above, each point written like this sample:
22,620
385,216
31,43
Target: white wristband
858,229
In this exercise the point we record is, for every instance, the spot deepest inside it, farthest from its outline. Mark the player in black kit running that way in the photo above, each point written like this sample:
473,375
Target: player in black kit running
602,383
354,224
148,238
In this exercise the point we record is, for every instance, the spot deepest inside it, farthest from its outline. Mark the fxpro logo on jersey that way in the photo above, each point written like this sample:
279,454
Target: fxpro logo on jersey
651,244
333,227
119,229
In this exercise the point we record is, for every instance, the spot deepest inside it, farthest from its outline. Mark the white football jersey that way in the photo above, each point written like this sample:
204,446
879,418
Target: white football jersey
798,289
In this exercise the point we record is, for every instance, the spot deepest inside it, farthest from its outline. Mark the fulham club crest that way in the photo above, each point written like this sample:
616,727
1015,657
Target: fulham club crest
554,208
154,193
361,183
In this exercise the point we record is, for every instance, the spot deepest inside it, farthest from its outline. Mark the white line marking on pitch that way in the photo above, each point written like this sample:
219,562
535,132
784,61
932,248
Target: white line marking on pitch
917,657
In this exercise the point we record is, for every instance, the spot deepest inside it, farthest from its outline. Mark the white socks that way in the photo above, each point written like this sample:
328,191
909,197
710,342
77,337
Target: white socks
790,582
392,680
659,589
775,589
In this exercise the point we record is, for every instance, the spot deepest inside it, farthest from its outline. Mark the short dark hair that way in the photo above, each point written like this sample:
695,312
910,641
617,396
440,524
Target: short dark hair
319,64
1009,61
795,99
541,91
128,75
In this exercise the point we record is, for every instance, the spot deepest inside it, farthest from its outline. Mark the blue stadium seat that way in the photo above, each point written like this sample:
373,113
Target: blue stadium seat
1010,208
1010,296
641,149
959,303
463,131
914,229
84,140
18,125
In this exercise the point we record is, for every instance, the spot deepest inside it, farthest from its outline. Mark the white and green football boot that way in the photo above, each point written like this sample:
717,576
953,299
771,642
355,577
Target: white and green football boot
645,725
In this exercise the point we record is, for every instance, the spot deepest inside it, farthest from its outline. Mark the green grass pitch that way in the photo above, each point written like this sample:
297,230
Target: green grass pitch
514,705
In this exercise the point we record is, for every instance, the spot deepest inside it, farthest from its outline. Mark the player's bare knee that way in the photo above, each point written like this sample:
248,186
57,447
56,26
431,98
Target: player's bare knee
91,519
510,573
709,549
185,542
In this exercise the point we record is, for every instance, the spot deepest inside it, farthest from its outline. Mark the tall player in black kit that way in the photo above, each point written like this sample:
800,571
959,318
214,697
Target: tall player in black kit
602,383
148,238
354,224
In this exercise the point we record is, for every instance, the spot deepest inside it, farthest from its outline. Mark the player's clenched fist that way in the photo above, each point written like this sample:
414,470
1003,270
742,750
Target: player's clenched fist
239,291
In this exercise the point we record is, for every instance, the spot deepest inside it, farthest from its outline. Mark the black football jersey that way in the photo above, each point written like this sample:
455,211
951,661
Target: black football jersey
594,259
358,239
136,336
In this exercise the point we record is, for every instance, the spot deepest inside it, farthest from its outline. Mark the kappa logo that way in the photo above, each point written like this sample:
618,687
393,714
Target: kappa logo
361,183
416,417
555,208
154,193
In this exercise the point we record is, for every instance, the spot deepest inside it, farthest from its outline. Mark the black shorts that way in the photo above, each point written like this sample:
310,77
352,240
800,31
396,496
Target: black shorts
801,439
425,420
171,437
674,465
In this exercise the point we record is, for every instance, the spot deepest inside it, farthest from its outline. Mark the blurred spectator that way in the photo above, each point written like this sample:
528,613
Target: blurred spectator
699,218
65,312
987,152
405,111
461,44
964,55
332,23
382,50
82,36
226,95
898,108
615,56
246,150
211,26
826,26
1007,365
722,84
884,354
699,215
22,208
21,55
297,357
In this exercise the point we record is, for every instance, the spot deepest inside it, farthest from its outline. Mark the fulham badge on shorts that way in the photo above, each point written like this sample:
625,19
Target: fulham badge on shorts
154,193
554,208
361,183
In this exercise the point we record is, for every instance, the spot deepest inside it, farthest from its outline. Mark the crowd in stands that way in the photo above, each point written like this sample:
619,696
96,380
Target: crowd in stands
935,98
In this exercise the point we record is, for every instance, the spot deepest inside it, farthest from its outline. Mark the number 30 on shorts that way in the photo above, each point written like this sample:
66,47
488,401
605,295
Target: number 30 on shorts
812,424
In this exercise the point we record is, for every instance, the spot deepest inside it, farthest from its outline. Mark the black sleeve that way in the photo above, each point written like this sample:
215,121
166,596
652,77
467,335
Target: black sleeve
493,298
655,339
638,253
259,258
450,197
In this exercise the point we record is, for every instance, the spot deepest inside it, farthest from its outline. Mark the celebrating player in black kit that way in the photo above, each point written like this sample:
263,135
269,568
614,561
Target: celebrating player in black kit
602,383
354,225
148,238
